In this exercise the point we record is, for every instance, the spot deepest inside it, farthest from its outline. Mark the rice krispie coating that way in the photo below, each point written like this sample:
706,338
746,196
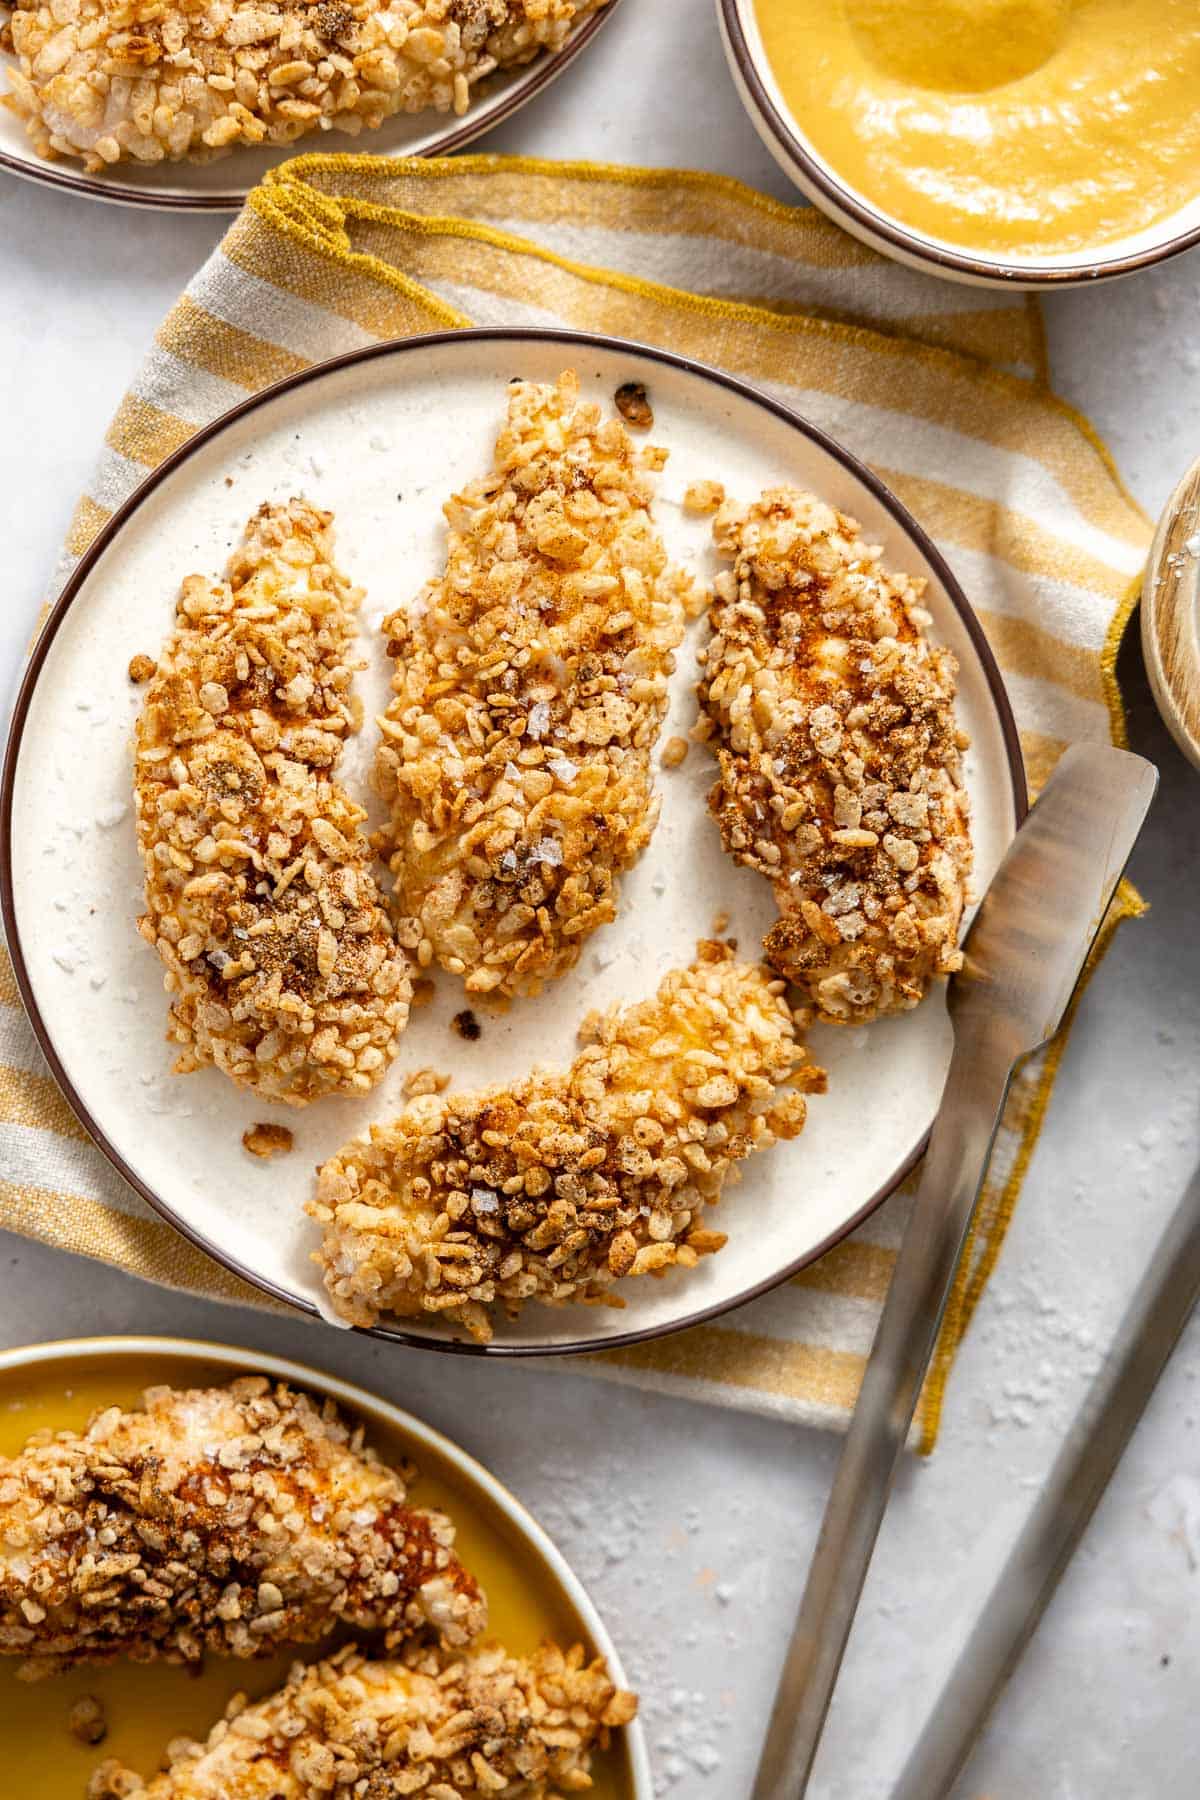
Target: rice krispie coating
152,80
832,718
235,1520
444,1728
556,1187
281,961
529,690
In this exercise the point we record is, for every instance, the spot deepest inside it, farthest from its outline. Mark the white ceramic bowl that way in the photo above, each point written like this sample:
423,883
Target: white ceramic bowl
820,181
383,437
492,1496
222,184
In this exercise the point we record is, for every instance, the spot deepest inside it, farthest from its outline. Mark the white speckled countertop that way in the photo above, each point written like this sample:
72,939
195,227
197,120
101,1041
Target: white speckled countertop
693,1526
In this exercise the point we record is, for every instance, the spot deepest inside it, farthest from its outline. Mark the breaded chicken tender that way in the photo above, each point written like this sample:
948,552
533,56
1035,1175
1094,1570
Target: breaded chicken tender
530,686
448,1728
148,81
234,1519
832,718
281,963
556,1187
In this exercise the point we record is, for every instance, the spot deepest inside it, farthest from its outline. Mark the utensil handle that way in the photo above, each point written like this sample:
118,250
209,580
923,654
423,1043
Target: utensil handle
980,1071
1147,1335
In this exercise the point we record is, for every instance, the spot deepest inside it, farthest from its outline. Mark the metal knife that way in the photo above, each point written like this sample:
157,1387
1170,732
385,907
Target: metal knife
1022,959
1149,1332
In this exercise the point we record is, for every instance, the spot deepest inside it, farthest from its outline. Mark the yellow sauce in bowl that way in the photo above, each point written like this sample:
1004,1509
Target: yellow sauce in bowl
1032,127
147,1704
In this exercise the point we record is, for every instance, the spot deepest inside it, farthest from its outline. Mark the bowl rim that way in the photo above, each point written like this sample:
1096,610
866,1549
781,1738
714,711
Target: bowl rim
880,229
204,435
531,79
239,1359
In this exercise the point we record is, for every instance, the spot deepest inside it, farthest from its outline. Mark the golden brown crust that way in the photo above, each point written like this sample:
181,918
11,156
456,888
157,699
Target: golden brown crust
145,81
557,1187
529,689
235,1520
510,1728
281,963
832,718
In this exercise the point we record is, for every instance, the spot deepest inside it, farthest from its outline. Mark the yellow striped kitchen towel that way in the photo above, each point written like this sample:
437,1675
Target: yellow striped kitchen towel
941,389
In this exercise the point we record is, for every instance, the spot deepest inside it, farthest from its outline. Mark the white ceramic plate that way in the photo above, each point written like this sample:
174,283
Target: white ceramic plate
497,1535
798,157
382,438
222,185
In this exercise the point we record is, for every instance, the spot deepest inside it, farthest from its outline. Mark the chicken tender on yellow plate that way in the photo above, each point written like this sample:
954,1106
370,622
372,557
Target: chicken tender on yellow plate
235,1519
148,81
281,962
556,1187
832,718
450,1728
530,686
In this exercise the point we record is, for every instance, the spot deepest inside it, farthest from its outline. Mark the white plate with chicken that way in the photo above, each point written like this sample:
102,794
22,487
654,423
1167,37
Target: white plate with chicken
187,107
226,1573
548,779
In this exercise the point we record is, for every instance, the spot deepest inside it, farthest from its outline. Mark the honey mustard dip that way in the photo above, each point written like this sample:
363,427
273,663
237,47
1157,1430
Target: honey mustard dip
1034,127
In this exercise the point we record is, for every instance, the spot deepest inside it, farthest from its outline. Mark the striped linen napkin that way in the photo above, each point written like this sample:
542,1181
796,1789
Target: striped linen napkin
941,389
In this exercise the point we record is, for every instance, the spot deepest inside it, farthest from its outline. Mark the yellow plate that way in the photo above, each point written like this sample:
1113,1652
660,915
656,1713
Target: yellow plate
532,1592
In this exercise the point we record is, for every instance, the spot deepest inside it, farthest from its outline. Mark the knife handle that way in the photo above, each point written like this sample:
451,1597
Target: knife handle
1147,1335
980,1072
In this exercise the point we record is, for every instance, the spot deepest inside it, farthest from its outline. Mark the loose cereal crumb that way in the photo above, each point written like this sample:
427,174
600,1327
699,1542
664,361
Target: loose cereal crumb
674,751
251,1515
449,1727
267,1140
633,403
556,1187
87,1721
467,1025
424,1081
704,497
110,83
141,668
529,690
720,924
112,1782
840,757
281,963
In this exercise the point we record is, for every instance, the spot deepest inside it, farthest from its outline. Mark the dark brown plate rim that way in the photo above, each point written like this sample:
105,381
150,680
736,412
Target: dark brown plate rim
539,75
579,342
878,226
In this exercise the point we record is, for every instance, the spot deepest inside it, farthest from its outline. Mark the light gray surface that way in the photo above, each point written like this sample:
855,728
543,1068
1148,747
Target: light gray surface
691,1525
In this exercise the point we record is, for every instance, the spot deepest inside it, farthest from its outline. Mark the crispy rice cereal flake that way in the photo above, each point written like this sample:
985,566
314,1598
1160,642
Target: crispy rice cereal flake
529,689
234,1519
145,81
266,1140
281,963
832,718
431,1725
556,1187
